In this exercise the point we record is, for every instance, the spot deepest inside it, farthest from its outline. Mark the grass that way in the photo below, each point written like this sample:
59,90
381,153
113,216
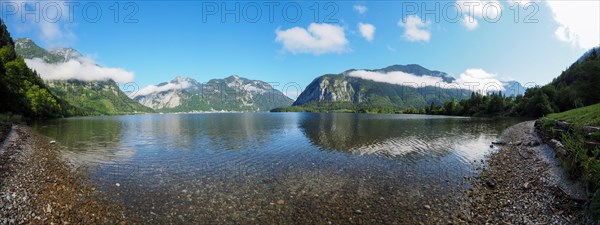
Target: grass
589,115
581,162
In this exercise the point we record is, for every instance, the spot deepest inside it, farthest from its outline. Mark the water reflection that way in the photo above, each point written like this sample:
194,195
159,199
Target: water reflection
237,167
401,135
89,140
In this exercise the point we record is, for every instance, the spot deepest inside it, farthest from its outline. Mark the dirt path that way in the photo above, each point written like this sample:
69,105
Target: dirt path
524,184
37,188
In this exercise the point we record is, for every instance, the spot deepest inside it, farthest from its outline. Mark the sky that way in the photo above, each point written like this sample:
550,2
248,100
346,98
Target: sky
293,42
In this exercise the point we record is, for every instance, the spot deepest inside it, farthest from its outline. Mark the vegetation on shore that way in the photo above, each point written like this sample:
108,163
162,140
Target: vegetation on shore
575,87
582,145
588,115
22,91
533,104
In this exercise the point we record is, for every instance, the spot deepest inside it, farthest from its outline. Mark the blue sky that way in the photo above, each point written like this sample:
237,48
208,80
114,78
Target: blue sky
164,39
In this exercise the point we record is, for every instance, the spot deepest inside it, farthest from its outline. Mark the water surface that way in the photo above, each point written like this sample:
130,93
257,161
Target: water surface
278,167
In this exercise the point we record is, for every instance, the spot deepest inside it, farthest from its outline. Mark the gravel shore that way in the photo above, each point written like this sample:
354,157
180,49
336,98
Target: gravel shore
36,187
523,184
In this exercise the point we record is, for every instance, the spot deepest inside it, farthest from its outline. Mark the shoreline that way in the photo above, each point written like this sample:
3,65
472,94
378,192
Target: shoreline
524,184
37,187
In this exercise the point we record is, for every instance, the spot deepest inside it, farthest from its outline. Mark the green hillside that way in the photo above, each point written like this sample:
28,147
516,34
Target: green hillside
22,91
588,115
102,97
96,97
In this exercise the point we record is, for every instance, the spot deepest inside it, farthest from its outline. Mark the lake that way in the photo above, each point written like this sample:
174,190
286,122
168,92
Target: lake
279,167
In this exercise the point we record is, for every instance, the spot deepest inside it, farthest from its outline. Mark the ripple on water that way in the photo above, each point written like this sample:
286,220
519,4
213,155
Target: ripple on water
275,167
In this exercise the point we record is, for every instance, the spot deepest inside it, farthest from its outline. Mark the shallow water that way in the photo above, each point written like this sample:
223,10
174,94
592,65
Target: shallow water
278,167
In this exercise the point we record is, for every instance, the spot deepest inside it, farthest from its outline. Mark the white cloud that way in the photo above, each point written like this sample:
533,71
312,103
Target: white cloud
317,39
54,28
167,87
415,29
469,22
479,80
397,78
361,9
82,68
367,30
472,79
578,22
476,9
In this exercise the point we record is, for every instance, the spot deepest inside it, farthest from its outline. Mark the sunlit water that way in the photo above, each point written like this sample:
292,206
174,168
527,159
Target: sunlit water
277,167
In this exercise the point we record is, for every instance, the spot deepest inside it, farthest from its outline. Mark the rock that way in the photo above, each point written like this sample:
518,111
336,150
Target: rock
52,142
558,147
280,202
427,207
534,143
526,185
490,184
118,185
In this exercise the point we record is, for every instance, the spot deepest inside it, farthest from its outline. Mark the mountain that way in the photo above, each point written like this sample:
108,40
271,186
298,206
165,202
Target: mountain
588,54
512,88
411,69
232,93
578,85
22,91
343,88
28,49
101,97
96,97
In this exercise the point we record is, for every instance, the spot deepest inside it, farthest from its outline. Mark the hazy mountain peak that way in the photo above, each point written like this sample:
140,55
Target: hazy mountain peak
181,79
414,69
232,93
66,53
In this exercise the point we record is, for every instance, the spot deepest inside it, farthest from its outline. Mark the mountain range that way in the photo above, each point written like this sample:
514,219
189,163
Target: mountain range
356,90
232,93
235,93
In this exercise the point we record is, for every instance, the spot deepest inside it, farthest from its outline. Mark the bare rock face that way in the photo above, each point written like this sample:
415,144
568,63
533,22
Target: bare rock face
328,88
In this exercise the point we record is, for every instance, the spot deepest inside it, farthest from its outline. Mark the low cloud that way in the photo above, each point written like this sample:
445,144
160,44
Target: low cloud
479,80
415,29
81,68
472,79
401,78
317,39
367,31
167,87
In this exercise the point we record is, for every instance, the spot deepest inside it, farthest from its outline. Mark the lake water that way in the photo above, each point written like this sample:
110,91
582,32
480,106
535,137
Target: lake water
278,168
